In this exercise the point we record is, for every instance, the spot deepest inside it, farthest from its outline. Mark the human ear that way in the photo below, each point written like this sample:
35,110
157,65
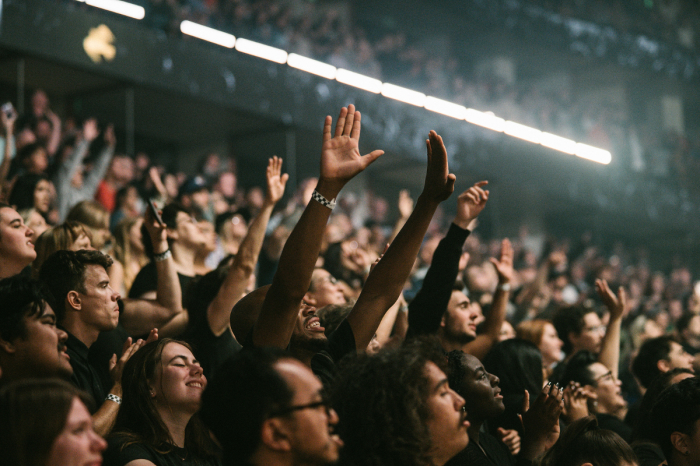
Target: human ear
275,435
679,440
73,299
663,365
7,346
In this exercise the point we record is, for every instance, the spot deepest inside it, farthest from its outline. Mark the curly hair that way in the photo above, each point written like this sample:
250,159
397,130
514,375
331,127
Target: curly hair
138,420
381,401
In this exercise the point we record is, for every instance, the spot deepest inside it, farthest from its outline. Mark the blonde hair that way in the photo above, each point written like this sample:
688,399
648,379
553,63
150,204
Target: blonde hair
123,253
92,214
58,238
532,330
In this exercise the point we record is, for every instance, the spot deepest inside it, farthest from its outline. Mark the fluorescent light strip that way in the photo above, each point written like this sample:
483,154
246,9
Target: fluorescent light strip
119,7
523,132
485,119
593,153
261,50
445,108
311,66
558,143
206,33
358,80
403,95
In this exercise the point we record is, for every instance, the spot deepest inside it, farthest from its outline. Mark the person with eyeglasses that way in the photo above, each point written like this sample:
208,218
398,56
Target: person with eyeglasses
604,390
158,423
266,408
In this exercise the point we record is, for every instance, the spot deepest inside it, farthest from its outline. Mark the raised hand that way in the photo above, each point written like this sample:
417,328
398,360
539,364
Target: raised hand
470,204
405,204
541,420
276,181
340,154
116,365
8,121
157,232
615,304
439,182
575,402
504,265
90,130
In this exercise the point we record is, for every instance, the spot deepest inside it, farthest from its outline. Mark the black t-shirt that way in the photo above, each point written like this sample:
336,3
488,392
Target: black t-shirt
115,455
648,454
610,422
211,350
497,453
147,280
84,375
323,364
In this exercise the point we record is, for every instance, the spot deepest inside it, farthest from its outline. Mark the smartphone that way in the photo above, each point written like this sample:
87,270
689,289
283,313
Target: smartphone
154,210
8,109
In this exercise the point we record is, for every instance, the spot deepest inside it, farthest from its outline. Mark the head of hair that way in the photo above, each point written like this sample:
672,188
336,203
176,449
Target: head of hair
34,412
25,153
249,389
90,213
676,410
568,320
332,315
518,365
382,405
20,297
122,250
644,366
684,321
64,271
584,442
644,429
532,330
578,369
22,195
58,238
138,420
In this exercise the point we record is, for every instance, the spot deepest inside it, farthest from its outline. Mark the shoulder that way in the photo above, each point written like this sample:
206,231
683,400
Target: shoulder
119,453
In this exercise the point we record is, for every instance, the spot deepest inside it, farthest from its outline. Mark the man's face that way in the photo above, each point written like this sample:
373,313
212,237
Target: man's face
99,301
308,333
188,232
459,321
43,352
678,357
607,389
310,431
447,422
16,242
591,337
325,289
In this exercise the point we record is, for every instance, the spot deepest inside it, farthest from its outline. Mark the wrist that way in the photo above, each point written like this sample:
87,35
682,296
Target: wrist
503,285
117,389
462,223
159,247
329,188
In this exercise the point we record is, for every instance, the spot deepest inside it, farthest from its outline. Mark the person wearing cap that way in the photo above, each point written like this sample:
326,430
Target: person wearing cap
194,196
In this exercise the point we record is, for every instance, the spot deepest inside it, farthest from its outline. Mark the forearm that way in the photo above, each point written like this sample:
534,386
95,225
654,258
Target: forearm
98,171
387,324
168,290
55,138
386,281
293,277
397,228
5,166
497,314
609,354
104,418
430,303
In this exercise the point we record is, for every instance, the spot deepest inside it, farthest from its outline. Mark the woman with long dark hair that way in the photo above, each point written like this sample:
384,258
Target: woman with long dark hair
157,421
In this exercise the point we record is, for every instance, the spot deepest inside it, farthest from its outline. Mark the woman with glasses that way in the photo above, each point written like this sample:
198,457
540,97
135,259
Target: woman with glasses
605,400
157,422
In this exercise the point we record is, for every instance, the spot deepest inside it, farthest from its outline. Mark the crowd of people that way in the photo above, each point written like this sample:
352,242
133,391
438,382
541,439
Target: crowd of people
151,318
334,33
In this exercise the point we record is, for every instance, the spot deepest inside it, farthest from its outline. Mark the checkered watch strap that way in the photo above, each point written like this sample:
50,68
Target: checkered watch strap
318,197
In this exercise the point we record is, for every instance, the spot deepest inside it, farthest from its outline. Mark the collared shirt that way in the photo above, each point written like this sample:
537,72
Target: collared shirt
84,375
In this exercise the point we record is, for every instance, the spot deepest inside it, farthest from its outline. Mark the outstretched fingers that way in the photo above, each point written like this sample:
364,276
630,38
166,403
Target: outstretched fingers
349,120
356,126
327,128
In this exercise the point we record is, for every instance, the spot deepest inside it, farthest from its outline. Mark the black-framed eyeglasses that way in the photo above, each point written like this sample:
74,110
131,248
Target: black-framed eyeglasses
324,403
607,375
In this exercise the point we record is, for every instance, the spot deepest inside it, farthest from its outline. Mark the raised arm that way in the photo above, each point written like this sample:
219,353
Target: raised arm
92,180
55,138
8,124
610,348
233,288
386,281
405,209
427,308
340,162
483,343
165,312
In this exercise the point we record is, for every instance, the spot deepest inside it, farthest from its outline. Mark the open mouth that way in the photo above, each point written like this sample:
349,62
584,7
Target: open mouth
314,325
195,384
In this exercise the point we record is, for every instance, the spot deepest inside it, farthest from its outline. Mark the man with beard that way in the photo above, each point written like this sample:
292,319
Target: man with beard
30,343
285,320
